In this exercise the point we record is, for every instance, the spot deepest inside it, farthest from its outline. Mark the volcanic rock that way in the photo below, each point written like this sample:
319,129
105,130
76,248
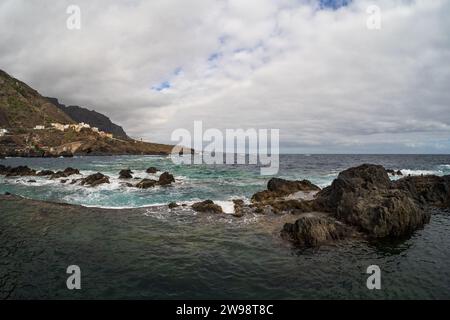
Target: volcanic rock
207,206
166,179
146,183
315,230
152,170
125,174
95,179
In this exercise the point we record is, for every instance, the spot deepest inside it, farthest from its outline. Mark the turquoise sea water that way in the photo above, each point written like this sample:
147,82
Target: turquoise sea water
194,182
157,253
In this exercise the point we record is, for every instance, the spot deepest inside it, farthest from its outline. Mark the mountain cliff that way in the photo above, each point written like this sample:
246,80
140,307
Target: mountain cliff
91,117
23,107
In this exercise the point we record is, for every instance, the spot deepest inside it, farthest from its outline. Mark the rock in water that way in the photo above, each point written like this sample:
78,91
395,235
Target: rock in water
286,187
70,171
64,174
277,188
363,197
207,206
315,230
4,169
152,170
58,174
43,173
95,179
19,171
125,174
238,208
427,190
173,205
166,179
146,183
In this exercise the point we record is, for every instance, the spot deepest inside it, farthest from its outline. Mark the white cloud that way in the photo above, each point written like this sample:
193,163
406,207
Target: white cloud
320,76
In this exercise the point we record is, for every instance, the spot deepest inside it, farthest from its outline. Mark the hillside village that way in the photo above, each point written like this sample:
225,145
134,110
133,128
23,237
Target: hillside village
35,126
76,127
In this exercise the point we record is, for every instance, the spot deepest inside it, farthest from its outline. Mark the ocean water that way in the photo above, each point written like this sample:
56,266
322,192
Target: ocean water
156,253
194,182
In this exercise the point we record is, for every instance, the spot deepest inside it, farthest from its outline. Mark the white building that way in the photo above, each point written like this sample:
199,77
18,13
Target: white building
58,126
39,127
3,132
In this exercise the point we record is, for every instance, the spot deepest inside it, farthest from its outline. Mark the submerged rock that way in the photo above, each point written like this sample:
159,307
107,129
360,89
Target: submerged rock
207,206
146,183
125,174
166,179
95,179
315,230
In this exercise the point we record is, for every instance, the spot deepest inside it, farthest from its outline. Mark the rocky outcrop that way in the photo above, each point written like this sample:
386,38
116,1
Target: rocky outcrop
94,180
238,207
427,190
312,230
277,188
64,174
363,198
44,173
207,206
173,205
152,170
366,198
147,183
283,186
17,171
125,174
71,171
166,179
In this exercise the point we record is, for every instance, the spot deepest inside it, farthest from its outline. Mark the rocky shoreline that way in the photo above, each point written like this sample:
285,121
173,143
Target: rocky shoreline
361,202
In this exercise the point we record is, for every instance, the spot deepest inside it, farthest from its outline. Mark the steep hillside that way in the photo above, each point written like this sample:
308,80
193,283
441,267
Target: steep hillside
92,117
23,107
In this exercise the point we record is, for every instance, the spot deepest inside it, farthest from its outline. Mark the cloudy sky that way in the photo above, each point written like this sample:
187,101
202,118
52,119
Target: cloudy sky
312,69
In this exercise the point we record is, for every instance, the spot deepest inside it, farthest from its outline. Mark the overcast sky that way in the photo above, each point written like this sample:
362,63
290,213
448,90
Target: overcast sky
309,68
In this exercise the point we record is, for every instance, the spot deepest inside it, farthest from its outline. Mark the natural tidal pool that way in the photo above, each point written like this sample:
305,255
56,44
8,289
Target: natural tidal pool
157,253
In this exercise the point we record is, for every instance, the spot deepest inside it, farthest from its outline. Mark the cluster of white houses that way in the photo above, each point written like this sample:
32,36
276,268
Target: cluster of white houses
77,127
